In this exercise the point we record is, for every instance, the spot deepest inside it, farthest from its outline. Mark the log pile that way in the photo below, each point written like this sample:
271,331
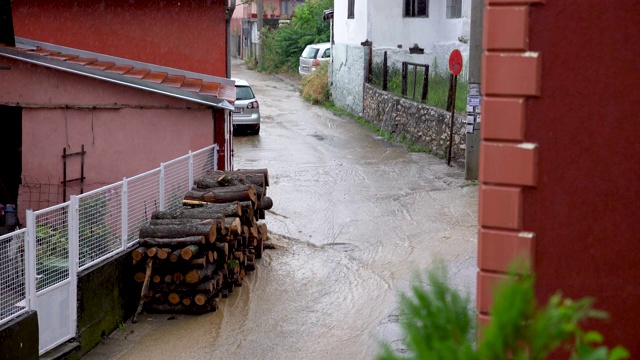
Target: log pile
196,255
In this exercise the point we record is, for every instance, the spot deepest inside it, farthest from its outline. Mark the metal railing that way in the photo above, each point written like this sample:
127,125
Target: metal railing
62,240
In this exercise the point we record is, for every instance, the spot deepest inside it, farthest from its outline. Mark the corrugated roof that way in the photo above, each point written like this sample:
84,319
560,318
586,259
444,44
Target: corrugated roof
200,88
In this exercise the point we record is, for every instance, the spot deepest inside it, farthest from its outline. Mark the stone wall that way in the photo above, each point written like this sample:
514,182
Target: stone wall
419,123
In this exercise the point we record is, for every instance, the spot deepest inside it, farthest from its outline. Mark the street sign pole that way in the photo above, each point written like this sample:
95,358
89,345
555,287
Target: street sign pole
455,67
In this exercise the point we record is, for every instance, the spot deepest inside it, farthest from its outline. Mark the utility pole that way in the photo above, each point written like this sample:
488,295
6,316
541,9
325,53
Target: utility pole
260,12
472,144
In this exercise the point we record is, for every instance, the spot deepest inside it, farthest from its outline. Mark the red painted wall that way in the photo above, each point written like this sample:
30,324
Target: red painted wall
125,131
186,34
585,208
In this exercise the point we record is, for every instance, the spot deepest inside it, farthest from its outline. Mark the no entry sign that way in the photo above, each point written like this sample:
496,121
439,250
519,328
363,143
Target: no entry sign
455,62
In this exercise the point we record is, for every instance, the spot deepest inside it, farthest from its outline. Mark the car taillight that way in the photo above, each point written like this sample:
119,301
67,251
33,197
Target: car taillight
316,62
253,105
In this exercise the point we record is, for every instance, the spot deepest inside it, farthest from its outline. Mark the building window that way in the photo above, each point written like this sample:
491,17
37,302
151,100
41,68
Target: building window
350,12
416,8
454,9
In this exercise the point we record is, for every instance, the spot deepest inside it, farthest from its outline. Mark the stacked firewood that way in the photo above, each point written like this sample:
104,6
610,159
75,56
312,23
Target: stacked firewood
195,256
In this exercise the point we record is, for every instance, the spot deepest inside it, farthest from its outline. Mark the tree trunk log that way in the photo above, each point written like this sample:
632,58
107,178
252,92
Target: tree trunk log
173,298
233,226
151,252
265,203
179,231
197,275
156,222
208,211
139,253
264,172
175,255
224,194
186,301
189,251
190,240
182,309
163,253
200,262
145,289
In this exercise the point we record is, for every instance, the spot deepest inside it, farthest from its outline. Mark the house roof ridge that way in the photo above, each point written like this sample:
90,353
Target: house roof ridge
186,85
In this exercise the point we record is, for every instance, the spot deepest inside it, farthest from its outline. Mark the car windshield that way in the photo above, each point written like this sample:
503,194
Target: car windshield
244,93
310,53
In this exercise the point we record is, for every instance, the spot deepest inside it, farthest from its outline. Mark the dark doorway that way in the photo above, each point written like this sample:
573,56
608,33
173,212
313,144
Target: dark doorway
10,153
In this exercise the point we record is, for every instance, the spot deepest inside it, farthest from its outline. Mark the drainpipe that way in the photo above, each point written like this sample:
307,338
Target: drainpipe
231,8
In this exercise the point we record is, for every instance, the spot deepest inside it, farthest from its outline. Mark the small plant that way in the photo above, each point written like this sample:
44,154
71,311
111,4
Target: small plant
232,264
121,325
438,325
270,8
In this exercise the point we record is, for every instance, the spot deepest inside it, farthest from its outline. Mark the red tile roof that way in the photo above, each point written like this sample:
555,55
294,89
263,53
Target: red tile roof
173,82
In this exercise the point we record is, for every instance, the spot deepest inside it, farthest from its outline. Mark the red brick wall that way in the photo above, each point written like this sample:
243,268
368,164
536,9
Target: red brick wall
560,158
186,34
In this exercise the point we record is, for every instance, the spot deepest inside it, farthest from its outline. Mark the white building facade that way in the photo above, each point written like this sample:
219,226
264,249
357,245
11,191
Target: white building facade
418,31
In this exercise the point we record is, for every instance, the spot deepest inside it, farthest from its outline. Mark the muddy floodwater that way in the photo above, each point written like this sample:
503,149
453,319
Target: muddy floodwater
354,218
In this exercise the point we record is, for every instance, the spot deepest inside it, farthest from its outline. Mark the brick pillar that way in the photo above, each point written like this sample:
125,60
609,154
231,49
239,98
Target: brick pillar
508,163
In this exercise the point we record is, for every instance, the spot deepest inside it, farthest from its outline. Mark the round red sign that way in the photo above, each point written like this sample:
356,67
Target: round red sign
455,62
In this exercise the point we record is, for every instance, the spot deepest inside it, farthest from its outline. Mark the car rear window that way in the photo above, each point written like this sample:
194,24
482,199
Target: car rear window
244,93
310,52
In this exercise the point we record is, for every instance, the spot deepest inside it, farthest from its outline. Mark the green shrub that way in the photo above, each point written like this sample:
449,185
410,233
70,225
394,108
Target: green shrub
438,325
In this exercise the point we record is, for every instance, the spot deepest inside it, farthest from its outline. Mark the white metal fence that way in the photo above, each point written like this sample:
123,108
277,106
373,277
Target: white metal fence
62,240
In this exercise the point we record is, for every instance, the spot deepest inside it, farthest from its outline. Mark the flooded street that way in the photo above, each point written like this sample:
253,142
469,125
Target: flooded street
354,218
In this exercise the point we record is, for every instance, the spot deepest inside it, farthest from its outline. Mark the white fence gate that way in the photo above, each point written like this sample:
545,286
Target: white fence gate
39,264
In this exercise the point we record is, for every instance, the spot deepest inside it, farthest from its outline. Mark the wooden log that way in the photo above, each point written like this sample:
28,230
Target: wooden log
173,298
178,277
266,203
139,276
145,289
175,255
156,222
264,172
178,231
224,194
190,240
151,252
163,253
212,256
207,211
207,287
263,232
156,278
233,226
200,262
197,275
189,252
259,190
139,253
168,278
222,249
186,301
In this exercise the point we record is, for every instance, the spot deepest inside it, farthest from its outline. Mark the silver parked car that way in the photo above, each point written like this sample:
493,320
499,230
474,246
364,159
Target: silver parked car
312,56
246,113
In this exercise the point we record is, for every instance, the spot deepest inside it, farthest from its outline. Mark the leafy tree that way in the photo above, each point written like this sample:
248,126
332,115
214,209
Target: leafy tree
282,47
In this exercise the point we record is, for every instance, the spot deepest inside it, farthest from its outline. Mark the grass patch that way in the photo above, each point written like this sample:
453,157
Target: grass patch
438,85
409,145
315,87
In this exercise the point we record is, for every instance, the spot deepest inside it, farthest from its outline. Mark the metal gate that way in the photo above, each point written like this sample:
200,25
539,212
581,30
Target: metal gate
56,281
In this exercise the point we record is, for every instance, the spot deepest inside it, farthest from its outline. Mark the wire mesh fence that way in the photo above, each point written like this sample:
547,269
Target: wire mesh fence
99,223
176,182
12,275
96,225
143,198
52,245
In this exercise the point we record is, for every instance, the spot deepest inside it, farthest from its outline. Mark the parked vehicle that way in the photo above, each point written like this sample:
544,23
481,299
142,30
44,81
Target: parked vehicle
246,115
313,56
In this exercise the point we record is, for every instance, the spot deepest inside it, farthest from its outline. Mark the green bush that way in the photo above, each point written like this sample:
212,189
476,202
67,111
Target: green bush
438,325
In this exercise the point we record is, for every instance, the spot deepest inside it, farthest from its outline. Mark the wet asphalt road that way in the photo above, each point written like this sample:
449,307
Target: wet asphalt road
354,218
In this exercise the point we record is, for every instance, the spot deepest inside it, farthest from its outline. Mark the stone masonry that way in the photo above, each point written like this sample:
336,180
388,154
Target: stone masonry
421,124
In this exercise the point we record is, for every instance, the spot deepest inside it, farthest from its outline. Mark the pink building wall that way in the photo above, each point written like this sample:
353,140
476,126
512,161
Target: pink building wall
187,34
125,131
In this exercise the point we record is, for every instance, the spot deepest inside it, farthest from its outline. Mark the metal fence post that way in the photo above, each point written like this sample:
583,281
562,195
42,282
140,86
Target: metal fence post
125,214
405,68
190,170
30,261
161,187
74,257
